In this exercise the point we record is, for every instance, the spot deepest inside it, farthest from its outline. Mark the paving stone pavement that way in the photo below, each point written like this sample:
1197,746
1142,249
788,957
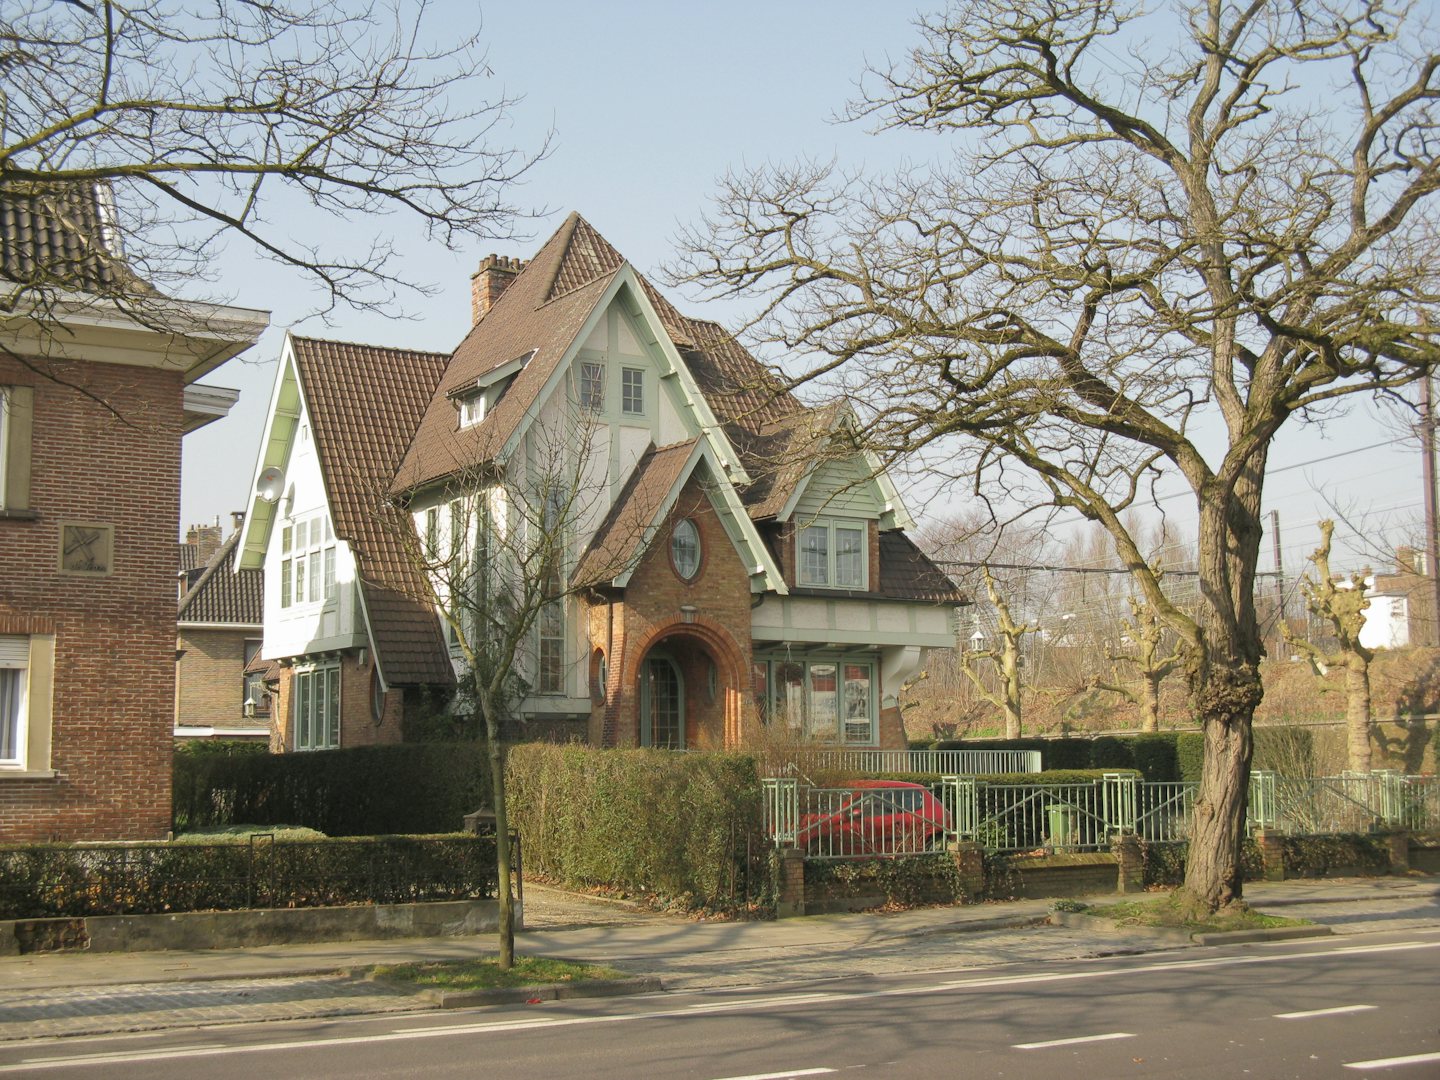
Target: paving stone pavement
31,1014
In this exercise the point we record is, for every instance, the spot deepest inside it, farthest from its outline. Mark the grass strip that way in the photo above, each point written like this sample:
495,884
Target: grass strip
484,974
1164,911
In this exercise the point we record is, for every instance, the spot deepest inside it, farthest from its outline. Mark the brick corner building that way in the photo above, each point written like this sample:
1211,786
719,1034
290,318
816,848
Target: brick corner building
97,387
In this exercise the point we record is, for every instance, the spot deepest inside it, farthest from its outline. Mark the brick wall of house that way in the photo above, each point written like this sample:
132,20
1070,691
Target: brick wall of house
113,703
210,677
357,720
719,629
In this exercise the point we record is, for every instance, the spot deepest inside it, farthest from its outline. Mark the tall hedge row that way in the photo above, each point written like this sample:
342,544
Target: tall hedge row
1164,756
364,791
682,826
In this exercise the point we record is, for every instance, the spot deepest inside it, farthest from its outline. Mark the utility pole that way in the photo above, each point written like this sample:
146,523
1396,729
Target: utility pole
1279,585
1432,548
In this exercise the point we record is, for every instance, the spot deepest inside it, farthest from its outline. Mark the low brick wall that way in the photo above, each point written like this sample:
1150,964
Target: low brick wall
244,929
1045,876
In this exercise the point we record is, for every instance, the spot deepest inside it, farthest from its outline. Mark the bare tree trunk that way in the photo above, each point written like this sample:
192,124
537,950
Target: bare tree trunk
1150,703
502,842
1011,674
1225,690
1357,712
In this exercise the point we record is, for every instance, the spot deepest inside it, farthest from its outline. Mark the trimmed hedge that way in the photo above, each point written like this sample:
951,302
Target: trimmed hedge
365,791
61,880
684,827
1165,862
1164,756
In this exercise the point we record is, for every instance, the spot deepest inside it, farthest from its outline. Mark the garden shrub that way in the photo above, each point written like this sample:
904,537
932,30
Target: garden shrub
1344,854
919,879
1165,862
686,828
364,791
1190,755
64,880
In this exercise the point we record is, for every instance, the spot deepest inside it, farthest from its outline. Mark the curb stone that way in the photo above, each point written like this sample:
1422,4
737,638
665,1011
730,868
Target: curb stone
1185,937
519,995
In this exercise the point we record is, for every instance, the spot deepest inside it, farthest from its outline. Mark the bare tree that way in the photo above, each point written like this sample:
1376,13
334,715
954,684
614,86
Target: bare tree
1136,266
152,132
1149,659
1341,607
1004,658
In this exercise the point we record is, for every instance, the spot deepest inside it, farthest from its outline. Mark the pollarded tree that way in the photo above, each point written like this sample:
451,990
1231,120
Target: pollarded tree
1341,607
1147,657
1163,236
1004,659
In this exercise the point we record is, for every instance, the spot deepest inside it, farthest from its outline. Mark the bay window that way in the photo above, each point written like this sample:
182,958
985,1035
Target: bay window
317,708
832,699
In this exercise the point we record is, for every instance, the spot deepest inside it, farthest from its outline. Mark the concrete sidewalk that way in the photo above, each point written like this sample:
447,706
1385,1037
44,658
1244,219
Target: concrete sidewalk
75,993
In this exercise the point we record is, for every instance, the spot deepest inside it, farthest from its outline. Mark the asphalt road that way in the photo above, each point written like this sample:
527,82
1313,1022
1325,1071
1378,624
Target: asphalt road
1365,1005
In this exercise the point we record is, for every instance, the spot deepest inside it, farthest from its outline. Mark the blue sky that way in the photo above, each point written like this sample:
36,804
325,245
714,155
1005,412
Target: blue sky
649,104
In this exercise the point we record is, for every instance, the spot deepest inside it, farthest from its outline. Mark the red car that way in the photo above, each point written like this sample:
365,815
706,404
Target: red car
872,817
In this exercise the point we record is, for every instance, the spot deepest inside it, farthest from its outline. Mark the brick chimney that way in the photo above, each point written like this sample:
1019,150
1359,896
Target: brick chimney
486,284
207,540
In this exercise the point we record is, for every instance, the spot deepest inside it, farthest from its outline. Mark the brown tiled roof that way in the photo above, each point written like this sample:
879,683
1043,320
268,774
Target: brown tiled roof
906,573
365,402
779,455
220,595
530,317
618,543
55,236
188,558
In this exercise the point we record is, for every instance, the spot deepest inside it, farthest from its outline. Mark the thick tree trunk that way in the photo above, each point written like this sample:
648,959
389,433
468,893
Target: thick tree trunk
1225,688
502,842
1357,712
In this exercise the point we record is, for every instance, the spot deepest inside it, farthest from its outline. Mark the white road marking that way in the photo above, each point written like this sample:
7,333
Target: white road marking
1078,1039
537,1022
1336,1011
1391,1063
780,1075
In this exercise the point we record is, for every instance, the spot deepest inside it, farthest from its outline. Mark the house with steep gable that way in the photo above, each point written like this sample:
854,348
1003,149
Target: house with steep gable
98,385
353,648
736,560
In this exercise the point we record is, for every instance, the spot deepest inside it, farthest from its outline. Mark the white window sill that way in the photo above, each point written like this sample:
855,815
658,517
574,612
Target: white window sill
8,772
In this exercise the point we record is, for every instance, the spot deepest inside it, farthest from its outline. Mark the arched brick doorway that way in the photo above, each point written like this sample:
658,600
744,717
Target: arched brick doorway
711,672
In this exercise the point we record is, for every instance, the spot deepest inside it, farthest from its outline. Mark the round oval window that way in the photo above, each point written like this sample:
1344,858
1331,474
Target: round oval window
685,549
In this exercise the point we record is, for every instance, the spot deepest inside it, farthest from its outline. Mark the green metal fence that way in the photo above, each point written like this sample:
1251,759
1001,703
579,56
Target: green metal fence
1061,817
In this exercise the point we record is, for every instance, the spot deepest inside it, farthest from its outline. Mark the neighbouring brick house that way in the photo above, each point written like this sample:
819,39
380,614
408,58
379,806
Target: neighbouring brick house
741,562
94,400
219,629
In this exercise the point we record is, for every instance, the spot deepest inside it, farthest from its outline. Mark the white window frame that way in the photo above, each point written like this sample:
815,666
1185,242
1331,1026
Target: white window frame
592,385
635,407
837,725
33,655
307,571
15,656
472,409
829,577
309,685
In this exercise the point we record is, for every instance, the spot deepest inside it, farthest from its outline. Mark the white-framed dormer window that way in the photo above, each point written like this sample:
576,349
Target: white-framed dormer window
632,391
592,385
831,554
472,408
307,561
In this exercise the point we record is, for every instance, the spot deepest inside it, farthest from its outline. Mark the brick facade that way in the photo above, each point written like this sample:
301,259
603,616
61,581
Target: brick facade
210,682
113,700
651,616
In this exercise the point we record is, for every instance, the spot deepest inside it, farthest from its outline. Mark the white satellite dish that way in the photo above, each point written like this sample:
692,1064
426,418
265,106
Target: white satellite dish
271,481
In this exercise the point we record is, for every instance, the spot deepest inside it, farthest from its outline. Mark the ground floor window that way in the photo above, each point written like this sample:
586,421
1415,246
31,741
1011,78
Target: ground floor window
317,708
831,698
27,667
14,668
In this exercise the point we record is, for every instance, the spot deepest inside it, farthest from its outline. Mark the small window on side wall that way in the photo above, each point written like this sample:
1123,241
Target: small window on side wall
632,391
592,386
685,549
